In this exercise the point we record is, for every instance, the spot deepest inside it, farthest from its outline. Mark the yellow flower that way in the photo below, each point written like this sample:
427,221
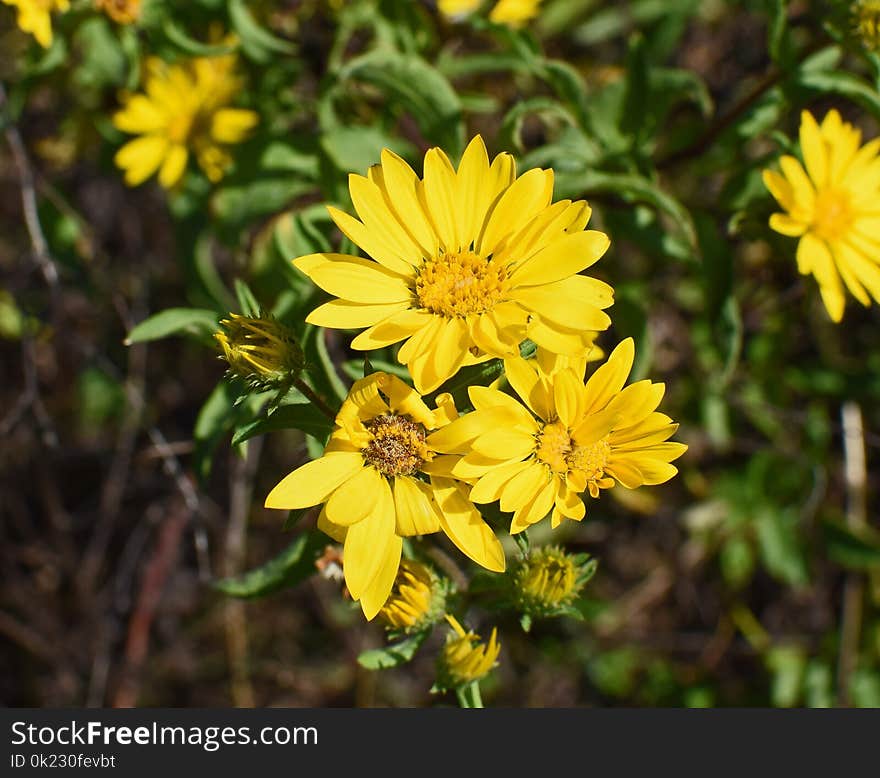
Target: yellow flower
514,13
417,598
185,109
866,15
574,438
465,264
832,207
260,350
548,580
464,658
120,11
377,485
34,17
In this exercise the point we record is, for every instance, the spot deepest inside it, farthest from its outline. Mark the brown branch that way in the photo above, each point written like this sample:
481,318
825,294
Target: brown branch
26,179
855,473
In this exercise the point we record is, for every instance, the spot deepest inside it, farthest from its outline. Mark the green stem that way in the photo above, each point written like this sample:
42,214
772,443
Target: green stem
316,399
476,697
463,701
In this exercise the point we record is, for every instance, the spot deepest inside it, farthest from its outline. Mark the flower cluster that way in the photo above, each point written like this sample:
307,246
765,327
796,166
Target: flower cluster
465,265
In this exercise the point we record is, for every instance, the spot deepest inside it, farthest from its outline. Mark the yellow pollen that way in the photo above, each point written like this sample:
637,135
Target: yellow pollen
460,283
397,446
554,446
832,214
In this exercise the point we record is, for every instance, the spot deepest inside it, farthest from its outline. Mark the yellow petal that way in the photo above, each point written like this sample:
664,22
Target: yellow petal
523,487
464,526
524,198
343,314
360,280
458,436
375,594
786,225
561,259
141,157
814,254
355,498
402,186
439,192
504,444
609,378
367,544
173,166
232,125
374,244
415,513
472,195
314,481
396,327
568,397
489,487
813,149
536,509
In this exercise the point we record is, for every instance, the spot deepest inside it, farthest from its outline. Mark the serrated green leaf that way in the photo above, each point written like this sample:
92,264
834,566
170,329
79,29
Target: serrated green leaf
174,321
393,655
294,564
303,417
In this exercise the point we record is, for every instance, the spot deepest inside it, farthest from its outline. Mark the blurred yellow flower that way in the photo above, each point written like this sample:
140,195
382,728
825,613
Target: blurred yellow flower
34,17
572,437
185,109
831,205
514,13
866,15
464,264
464,658
377,484
120,11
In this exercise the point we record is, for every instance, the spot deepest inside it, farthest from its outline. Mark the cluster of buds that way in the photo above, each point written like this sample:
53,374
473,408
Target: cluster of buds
260,350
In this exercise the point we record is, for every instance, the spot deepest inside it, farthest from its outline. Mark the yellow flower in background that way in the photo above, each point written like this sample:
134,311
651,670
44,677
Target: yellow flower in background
465,264
34,17
120,11
377,483
184,110
514,13
465,658
416,600
866,20
830,203
570,438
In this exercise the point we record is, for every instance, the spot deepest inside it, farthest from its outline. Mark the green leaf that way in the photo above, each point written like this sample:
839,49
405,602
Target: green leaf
257,42
302,417
787,664
851,547
355,149
393,655
183,41
174,321
846,84
417,87
636,188
778,543
294,564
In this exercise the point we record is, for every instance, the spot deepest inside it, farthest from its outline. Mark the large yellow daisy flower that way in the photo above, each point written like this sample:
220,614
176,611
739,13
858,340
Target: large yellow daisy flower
34,17
464,264
184,110
377,484
833,206
570,438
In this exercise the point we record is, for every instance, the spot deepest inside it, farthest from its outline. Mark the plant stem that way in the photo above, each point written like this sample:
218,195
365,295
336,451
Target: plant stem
461,694
315,398
476,697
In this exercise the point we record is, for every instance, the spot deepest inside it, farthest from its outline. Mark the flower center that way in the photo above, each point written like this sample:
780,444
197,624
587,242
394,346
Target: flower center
590,459
554,446
460,283
397,446
832,214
